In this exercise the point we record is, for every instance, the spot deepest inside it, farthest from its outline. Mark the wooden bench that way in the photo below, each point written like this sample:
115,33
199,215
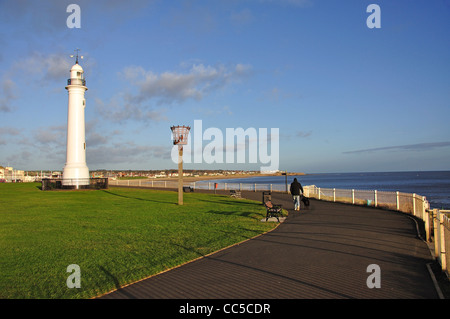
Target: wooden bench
273,210
235,194
187,189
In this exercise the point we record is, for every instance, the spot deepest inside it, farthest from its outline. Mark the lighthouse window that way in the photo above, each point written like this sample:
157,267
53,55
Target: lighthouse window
84,144
79,74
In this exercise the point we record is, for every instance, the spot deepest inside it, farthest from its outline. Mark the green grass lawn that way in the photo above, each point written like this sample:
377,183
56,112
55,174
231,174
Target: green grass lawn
116,236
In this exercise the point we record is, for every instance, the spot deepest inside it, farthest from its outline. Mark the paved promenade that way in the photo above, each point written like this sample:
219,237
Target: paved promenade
318,253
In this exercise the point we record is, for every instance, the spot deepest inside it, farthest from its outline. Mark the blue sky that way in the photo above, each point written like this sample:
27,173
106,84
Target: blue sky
345,98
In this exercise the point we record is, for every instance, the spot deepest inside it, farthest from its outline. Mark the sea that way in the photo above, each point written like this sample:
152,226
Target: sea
434,185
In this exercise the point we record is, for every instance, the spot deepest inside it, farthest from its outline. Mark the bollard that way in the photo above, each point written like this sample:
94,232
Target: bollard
375,198
398,200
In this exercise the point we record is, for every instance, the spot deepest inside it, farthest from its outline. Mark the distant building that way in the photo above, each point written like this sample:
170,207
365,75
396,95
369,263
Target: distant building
9,174
56,175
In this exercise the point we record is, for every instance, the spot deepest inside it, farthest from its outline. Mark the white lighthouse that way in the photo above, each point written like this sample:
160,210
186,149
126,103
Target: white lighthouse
76,172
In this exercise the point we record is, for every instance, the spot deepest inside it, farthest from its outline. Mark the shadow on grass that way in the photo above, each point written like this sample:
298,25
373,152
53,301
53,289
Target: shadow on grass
116,283
137,198
244,214
245,233
230,202
241,234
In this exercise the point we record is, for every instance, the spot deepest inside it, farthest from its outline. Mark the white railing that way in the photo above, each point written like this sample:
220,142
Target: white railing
199,185
437,228
408,203
144,183
252,187
437,222
404,202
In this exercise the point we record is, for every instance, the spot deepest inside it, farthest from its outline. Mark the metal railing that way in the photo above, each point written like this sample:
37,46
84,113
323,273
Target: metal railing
76,81
437,228
437,222
146,183
199,185
404,202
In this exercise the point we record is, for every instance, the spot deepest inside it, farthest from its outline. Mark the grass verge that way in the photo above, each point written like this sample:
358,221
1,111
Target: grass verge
116,236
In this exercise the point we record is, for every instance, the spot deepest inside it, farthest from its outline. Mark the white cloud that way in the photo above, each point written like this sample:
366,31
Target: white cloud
241,18
408,147
6,133
53,66
225,110
119,111
170,87
149,90
9,131
303,133
126,154
36,68
53,136
49,16
296,3
20,158
7,89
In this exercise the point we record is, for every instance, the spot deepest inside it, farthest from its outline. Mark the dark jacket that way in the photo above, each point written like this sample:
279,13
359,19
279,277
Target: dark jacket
296,187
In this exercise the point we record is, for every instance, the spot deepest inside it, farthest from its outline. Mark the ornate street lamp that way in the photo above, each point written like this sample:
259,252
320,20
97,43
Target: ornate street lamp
180,138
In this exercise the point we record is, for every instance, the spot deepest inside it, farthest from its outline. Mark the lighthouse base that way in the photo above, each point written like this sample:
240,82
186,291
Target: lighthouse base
49,184
75,176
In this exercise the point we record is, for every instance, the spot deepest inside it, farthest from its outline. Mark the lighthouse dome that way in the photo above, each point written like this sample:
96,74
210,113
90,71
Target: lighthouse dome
76,72
76,76
76,67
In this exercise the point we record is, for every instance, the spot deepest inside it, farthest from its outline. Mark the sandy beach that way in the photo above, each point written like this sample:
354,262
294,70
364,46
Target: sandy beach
213,177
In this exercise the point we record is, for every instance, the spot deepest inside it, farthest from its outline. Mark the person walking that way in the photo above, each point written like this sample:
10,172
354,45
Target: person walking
296,191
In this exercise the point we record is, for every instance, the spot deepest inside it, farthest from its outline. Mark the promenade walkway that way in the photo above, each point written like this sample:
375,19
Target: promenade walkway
322,252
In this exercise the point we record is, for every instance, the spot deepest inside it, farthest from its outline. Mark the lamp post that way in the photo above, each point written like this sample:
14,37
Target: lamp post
180,138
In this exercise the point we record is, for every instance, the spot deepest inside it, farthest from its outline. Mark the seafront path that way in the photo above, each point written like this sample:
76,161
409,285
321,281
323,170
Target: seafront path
326,251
